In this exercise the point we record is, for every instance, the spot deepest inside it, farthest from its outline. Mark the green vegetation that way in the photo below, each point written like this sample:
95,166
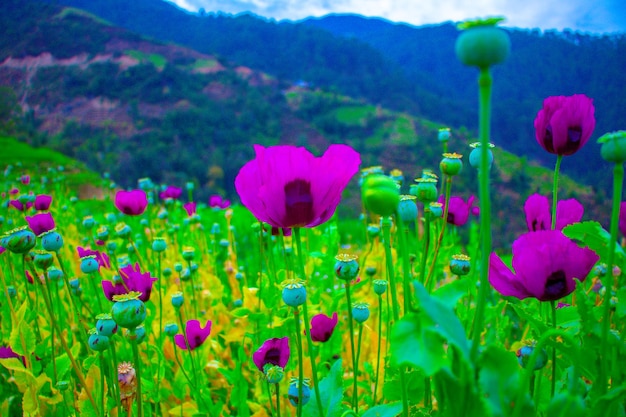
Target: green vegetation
157,60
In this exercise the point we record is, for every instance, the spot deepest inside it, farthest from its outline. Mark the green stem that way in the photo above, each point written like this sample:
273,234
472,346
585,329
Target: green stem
609,281
278,400
426,245
113,375
133,343
355,398
386,226
307,327
158,374
351,326
193,288
555,189
406,269
380,338
296,315
52,332
553,385
446,208
484,83
102,392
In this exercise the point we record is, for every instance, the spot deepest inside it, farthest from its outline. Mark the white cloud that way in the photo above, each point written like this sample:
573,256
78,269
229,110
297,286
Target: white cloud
584,15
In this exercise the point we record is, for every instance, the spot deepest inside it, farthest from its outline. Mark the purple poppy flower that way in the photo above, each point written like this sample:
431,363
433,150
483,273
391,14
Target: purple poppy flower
546,264
14,191
538,213
459,210
565,124
101,257
274,351
171,192
322,327
190,208
196,335
2,250
6,352
40,223
132,202
216,201
286,186
25,179
132,280
19,205
42,202
622,218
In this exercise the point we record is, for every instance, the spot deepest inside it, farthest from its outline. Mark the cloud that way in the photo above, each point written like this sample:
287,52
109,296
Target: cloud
597,16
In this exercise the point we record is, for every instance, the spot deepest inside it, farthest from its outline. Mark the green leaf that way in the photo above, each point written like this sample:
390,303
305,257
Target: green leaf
451,293
608,404
596,238
385,410
240,312
620,308
499,381
331,393
447,323
414,344
22,331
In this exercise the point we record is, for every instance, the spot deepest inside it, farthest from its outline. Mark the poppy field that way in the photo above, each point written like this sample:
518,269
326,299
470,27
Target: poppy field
146,302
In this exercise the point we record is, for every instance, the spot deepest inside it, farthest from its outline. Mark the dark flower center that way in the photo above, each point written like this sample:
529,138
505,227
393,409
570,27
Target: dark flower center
298,202
536,225
272,356
574,135
555,287
451,218
197,341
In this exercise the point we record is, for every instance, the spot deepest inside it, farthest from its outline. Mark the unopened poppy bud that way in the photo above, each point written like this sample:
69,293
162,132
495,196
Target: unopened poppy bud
294,293
380,194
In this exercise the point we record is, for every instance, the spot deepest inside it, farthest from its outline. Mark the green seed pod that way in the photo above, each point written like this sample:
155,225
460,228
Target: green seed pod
128,311
451,164
482,44
613,146
19,240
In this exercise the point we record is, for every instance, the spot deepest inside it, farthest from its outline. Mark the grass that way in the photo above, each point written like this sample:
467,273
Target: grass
157,60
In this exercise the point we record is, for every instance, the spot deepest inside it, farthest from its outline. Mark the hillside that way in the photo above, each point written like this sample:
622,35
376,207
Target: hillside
134,107
406,68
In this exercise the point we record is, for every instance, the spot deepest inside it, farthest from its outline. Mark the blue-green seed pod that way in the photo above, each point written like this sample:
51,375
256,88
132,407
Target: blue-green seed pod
128,311
407,209
380,286
88,222
170,329
274,373
294,293
105,325
293,391
373,230
159,244
360,312
346,268
178,267
63,385
177,300
436,209
475,155
122,230
523,356
98,342
426,190
51,241
237,303
443,135
55,274
12,291
111,247
482,44
19,240
370,271
460,265
167,272
43,260
139,333
188,253
451,164
613,147
88,264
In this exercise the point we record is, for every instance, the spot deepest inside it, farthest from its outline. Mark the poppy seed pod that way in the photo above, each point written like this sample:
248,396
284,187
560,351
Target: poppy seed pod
482,44
98,342
293,392
475,155
51,241
19,240
451,164
380,194
425,190
294,293
105,325
360,312
128,311
346,268
613,146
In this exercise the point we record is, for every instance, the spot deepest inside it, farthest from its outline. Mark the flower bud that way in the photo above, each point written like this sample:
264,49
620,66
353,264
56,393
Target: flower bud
294,293
380,194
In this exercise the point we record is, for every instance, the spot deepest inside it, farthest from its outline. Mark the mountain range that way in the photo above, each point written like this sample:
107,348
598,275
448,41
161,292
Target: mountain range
144,88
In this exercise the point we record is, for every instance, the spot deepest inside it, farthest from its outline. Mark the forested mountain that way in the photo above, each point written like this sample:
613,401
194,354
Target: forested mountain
135,106
407,68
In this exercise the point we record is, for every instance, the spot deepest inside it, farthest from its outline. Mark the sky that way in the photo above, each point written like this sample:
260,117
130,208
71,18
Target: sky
593,16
